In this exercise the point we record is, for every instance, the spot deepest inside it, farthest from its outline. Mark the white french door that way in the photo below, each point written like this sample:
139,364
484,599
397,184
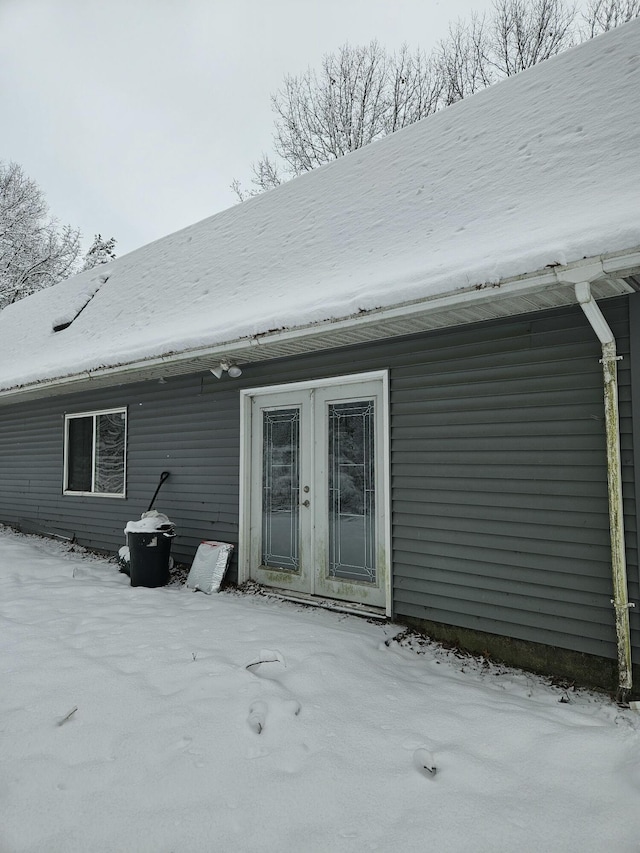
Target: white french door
317,488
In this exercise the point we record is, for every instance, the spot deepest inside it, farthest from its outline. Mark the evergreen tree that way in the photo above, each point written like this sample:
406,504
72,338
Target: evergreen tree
101,252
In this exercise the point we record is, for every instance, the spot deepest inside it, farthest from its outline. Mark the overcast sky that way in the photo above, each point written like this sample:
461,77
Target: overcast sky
134,116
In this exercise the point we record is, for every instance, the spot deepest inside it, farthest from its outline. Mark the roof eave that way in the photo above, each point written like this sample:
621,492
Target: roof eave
521,294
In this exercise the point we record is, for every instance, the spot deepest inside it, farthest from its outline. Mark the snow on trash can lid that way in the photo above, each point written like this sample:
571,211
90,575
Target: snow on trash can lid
152,522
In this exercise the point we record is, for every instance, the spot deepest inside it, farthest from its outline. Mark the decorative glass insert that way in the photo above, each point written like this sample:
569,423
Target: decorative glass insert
352,533
95,453
281,488
109,467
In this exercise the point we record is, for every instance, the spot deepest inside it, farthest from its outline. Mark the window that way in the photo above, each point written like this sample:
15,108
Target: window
94,453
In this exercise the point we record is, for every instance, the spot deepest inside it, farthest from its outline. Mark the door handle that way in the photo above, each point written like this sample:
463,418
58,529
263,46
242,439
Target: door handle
306,503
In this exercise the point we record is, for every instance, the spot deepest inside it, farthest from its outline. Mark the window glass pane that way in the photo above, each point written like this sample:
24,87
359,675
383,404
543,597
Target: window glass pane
280,488
109,475
352,491
79,454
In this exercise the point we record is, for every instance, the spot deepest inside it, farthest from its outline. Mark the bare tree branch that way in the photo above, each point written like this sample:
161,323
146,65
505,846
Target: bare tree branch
526,32
360,94
603,15
35,251
266,176
464,60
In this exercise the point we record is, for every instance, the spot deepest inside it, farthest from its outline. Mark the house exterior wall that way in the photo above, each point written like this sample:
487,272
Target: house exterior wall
500,457
179,427
498,467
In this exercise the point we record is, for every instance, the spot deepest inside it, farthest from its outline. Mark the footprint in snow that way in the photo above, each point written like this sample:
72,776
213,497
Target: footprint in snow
258,711
423,762
268,664
257,716
292,706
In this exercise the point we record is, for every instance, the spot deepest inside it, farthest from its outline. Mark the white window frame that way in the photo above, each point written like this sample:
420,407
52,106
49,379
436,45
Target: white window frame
94,415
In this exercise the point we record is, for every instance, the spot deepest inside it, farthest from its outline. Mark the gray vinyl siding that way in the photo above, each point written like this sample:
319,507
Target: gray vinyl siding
181,430
498,471
499,483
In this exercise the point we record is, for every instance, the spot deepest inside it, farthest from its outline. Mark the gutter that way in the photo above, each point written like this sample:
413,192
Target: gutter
581,278
519,285
256,348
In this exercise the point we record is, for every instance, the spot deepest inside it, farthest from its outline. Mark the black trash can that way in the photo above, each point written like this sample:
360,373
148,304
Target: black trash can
149,554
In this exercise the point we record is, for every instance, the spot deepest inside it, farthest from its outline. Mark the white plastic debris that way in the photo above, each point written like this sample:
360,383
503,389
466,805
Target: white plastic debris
209,566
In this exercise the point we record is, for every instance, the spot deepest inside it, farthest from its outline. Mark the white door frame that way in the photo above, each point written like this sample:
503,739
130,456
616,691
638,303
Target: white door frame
246,398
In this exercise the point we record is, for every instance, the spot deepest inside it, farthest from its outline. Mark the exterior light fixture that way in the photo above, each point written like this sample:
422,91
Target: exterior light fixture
232,369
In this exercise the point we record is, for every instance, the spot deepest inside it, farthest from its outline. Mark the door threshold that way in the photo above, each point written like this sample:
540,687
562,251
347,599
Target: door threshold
352,608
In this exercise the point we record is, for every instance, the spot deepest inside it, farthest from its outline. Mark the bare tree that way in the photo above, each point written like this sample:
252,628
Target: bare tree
603,15
362,93
35,251
526,32
322,116
266,175
358,95
463,60
517,35
414,89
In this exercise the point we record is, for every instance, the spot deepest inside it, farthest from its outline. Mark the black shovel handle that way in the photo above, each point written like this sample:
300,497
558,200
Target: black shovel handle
163,477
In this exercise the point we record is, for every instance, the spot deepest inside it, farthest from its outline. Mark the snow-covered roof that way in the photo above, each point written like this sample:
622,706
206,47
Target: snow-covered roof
539,170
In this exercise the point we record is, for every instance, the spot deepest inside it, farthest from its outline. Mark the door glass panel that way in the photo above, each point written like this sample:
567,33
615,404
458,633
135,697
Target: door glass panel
352,491
280,488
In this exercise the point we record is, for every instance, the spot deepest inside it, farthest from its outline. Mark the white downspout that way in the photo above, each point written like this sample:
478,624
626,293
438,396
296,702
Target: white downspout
609,363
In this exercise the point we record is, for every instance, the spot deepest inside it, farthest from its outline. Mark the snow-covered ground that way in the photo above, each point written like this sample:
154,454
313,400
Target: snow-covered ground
179,744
